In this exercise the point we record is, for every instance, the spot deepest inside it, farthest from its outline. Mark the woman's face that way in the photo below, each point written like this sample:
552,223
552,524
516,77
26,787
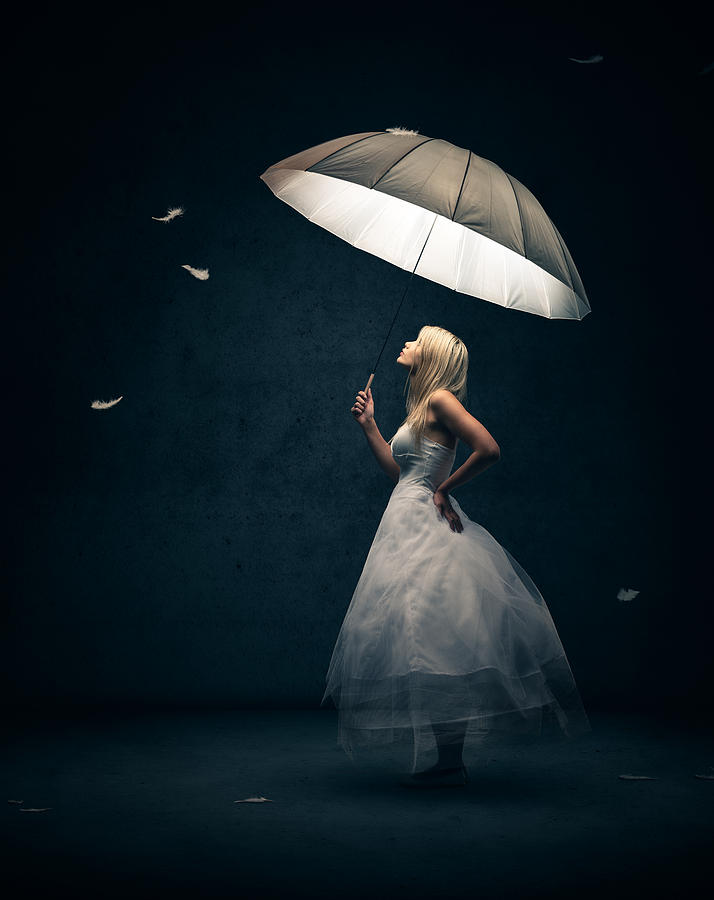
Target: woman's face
410,355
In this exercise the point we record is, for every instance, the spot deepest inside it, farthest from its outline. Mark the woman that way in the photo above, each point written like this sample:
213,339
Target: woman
447,640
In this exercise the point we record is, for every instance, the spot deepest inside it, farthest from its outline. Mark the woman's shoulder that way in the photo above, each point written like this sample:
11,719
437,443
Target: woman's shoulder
443,398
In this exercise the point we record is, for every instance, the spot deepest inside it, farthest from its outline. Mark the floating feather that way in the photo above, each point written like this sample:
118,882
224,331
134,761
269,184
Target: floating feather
591,59
15,801
400,129
33,809
201,274
625,594
254,800
637,778
705,777
105,404
171,214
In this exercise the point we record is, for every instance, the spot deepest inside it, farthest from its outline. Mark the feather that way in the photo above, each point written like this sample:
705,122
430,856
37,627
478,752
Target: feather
15,801
637,778
400,129
201,274
171,214
105,404
626,594
591,59
34,809
254,800
705,777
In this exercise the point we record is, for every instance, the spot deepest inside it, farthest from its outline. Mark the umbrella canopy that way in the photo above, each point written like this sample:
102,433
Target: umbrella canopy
419,201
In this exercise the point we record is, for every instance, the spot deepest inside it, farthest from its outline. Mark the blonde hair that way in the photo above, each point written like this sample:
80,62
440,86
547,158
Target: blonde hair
443,363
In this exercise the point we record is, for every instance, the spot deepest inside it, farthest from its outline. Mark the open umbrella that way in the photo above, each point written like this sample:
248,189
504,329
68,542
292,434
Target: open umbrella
417,201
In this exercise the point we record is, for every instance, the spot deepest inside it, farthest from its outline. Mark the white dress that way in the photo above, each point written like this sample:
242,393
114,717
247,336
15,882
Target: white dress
444,627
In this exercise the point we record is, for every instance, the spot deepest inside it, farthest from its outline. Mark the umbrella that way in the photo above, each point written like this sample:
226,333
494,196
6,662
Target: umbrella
421,202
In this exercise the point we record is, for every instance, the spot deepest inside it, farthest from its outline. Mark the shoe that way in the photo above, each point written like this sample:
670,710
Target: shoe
436,778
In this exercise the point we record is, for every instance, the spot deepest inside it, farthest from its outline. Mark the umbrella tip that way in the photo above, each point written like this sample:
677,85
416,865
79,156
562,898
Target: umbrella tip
400,129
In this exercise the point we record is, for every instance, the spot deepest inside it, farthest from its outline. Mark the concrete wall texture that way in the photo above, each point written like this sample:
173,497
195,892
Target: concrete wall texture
199,542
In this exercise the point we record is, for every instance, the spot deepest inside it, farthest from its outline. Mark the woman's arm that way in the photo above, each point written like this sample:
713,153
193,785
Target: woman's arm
363,411
381,450
449,411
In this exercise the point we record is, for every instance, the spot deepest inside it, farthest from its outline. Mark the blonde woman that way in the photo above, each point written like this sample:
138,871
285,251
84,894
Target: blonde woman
446,640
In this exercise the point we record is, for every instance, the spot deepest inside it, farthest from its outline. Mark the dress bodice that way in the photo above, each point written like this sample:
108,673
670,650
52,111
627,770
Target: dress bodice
426,466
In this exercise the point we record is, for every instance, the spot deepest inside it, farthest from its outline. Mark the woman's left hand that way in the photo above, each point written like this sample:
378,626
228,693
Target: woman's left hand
447,511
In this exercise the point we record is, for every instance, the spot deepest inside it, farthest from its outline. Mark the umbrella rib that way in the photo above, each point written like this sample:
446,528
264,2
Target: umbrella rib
520,217
463,182
565,260
545,293
329,200
380,212
462,243
351,144
396,162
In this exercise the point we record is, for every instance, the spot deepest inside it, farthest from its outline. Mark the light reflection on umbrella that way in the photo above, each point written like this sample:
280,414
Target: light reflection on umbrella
417,201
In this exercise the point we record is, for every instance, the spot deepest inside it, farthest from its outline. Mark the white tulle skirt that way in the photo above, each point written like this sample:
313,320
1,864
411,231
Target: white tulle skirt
445,629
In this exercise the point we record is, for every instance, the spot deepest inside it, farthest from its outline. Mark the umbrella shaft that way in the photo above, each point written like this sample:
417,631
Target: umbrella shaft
394,318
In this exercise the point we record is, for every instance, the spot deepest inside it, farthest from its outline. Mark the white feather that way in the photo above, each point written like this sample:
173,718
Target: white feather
400,129
105,404
591,59
201,274
254,800
626,594
171,214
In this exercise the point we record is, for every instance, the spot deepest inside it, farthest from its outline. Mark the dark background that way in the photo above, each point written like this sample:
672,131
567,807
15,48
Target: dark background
198,543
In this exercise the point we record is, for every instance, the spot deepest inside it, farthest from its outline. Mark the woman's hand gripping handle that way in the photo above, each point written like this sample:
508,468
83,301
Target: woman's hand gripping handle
363,409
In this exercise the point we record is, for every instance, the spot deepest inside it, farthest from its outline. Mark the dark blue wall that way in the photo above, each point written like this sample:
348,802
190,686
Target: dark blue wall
200,542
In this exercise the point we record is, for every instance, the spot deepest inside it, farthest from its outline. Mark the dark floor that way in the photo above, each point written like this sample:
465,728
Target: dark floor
143,805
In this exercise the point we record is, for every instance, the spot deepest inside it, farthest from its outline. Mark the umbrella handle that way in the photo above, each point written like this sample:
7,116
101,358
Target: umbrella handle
369,382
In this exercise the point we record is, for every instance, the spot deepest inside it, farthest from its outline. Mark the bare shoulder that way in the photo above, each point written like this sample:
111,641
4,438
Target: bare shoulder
444,399
454,416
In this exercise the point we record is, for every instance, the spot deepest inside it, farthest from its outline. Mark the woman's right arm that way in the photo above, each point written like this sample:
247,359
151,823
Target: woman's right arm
363,412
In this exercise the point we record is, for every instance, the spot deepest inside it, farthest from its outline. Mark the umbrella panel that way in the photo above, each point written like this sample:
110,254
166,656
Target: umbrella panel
396,230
